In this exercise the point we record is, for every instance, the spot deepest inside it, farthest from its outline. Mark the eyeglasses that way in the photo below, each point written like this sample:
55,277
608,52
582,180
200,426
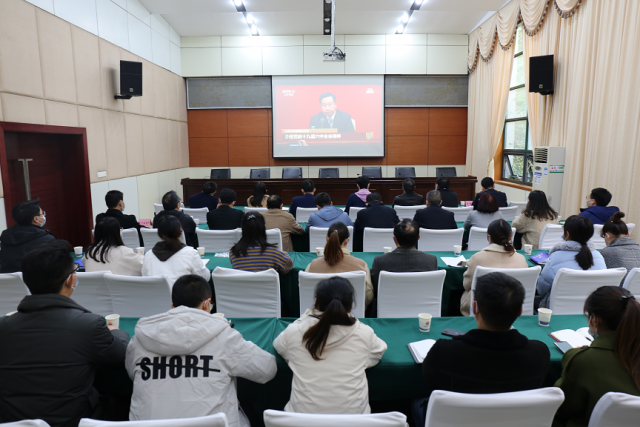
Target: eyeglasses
76,267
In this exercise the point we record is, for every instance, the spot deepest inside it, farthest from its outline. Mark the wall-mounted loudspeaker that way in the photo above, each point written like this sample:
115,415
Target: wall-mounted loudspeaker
130,79
541,74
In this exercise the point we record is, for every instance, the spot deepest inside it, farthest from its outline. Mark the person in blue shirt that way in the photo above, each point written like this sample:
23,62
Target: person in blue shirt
597,209
327,213
359,199
206,198
307,200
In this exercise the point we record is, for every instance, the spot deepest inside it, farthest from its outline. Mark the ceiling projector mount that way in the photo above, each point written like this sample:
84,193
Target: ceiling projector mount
334,54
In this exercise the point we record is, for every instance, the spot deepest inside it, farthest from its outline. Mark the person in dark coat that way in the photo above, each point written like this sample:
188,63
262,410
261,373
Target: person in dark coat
172,204
433,217
488,187
28,233
225,217
307,200
598,209
359,198
375,215
206,198
409,197
50,348
330,117
449,198
115,209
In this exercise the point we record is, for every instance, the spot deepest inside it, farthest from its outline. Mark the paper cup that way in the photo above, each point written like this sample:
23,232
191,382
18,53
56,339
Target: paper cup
424,321
544,316
387,249
140,250
320,252
457,250
197,221
78,250
528,249
113,320
201,250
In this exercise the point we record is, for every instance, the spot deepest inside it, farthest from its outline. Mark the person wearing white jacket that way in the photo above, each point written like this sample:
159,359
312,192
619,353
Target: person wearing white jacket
328,351
108,252
183,363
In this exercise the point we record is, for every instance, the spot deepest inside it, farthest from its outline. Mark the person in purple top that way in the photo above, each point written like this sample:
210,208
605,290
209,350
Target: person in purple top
359,198
597,210
307,200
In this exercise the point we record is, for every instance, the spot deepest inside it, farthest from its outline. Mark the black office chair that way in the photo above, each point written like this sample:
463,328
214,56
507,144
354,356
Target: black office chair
406,172
329,173
220,174
291,173
446,172
260,173
372,172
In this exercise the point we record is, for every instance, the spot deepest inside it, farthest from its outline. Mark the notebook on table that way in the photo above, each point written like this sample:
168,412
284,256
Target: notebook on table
540,258
576,339
420,349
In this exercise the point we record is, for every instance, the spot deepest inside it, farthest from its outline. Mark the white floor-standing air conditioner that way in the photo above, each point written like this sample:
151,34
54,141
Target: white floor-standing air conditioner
548,173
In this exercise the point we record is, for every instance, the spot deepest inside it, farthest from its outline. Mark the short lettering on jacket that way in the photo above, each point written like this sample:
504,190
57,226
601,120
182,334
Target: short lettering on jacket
178,366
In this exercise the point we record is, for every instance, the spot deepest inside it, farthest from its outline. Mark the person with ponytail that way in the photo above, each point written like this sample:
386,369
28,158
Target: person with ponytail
575,253
328,351
610,364
338,259
621,250
535,216
499,254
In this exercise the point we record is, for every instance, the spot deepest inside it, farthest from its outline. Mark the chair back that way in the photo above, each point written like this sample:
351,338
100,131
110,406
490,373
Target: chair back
409,294
551,235
376,239
353,213
408,211
519,205
372,171
303,214
150,238
218,240
260,173
94,293
571,288
307,285
26,423
459,214
446,171
130,238
199,214
597,240
134,296
630,227
220,174
527,276
157,207
216,420
531,408
329,173
616,410
509,214
274,235
439,240
406,172
478,238
247,294
632,282
291,419
291,173
12,291
318,238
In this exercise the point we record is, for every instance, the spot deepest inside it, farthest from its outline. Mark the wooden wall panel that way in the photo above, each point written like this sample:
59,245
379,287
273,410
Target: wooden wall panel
207,123
248,122
407,121
448,121
249,151
448,150
208,152
407,150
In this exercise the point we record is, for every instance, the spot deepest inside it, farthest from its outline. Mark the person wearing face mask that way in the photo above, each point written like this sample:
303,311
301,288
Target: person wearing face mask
173,207
621,250
115,209
598,209
28,233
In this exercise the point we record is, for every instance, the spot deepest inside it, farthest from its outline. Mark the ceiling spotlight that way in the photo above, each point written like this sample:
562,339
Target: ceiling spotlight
238,3
254,29
249,19
405,17
400,29
418,2
327,30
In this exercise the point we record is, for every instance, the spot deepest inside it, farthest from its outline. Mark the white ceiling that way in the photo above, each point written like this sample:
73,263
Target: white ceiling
288,17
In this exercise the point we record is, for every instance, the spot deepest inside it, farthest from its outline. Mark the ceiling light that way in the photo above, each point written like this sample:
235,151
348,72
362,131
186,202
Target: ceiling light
238,3
400,29
254,29
418,2
249,19
405,17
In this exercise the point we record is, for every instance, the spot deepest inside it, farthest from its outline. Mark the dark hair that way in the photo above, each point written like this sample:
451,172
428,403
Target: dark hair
259,190
443,182
487,182
23,213
46,267
326,94
227,196
374,197
580,229
322,200
106,236
499,298
362,181
408,184
308,186
615,226
337,234
190,290
620,312
170,201
254,233
334,298
209,187
112,198
538,207
487,204
407,233
170,231
500,232
434,198
274,202
601,196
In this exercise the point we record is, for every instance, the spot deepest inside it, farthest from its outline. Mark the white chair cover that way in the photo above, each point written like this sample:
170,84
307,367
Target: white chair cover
157,207
318,238
439,240
197,213
407,211
571,288
12,291
509,214
150,238
303,214
551,235
527,276
218,240
353,213
409,294
130,238
254,209
531,408
26,423
94,293
291,419
216,420
307,285
478,238
519,205
375,239
632,282
274,235
460,214
630,227
616,410
597,240
139,296
246,294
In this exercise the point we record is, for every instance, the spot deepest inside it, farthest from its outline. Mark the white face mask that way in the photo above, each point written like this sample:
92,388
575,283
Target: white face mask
44,221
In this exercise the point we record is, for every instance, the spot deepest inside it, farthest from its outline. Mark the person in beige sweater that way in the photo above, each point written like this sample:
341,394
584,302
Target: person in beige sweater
499,254
275,217
259,198
338,259
534,218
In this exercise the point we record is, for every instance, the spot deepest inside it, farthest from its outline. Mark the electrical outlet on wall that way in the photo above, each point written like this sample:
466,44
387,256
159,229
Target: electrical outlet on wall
102,174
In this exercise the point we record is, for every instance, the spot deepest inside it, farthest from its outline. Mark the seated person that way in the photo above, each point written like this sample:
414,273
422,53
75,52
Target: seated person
253,252
193,340
328,351
499,254
260,196
534,217
375,215
206,198
275,217
449,198
492,358
25,235
225,217
338,259
409,197
484,214
115,209
433,217
307,200
108,253
621,250
327,214
488,187
609,364
575,253
50,348
597,209
172,257
359,198
172,205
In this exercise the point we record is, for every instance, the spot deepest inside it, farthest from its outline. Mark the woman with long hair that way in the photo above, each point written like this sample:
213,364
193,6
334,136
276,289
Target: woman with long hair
328,351
172,257
253,252
485,212
338,259
610,364
621,250
260,196
109,253
575,253
534,217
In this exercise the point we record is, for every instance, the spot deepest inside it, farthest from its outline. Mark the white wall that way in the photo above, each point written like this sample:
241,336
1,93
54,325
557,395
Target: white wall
513,194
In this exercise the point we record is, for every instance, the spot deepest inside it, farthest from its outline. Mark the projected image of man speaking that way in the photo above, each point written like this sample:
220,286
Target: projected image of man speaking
330,117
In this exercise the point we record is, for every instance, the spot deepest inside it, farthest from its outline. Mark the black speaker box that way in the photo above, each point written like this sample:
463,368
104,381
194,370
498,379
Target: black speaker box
541,74
130,78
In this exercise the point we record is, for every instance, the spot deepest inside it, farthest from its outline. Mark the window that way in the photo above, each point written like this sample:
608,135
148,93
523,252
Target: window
517,154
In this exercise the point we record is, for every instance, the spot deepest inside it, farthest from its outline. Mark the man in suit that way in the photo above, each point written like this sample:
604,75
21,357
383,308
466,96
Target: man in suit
409,197
206,198
275,217
330,117
172,204
375,215
433,216
449,198
307,200
225,217
488,187
115,209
